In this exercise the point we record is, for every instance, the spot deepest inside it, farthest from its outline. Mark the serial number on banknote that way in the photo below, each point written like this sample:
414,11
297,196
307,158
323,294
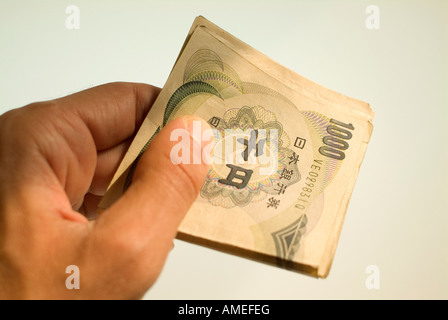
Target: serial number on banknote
335,143
310,182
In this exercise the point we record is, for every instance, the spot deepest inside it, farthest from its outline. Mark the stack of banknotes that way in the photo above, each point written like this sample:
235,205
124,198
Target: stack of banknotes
285,157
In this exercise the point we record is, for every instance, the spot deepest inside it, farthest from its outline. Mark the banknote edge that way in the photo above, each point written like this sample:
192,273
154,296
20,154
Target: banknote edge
264,258
333,239
233,42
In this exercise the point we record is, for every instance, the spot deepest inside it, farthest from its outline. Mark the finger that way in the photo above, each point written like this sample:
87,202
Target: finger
96,119
106,166
107,163
140,227
113,111
90,205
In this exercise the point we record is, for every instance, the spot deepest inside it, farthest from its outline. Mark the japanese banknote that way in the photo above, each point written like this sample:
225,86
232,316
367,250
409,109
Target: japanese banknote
286,155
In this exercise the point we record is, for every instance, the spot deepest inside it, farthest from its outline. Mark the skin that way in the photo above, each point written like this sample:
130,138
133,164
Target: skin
56,161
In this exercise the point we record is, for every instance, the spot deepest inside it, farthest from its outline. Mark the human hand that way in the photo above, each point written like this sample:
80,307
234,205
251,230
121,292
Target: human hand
56,161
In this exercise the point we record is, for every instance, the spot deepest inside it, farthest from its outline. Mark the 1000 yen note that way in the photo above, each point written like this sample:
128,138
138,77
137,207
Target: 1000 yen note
285,157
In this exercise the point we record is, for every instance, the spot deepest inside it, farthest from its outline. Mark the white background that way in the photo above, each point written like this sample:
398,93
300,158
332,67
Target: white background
397,217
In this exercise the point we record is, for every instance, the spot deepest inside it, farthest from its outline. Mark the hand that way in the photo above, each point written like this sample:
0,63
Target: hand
56,161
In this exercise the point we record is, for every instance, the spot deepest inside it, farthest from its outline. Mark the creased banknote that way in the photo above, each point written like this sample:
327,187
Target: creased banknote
286,155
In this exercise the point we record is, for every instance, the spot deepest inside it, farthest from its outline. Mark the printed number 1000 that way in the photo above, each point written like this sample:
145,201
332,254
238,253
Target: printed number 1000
336,142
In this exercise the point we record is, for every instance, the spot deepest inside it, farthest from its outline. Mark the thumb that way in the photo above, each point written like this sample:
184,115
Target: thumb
136,233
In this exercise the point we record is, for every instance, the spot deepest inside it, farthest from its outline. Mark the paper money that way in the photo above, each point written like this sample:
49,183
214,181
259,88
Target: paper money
287,210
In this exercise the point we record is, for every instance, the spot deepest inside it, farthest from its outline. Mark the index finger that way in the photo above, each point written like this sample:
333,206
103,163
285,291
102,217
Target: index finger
113,111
